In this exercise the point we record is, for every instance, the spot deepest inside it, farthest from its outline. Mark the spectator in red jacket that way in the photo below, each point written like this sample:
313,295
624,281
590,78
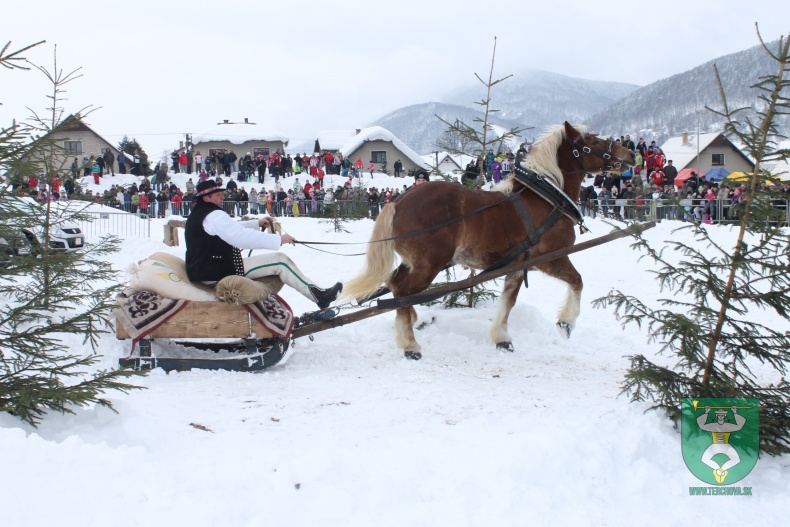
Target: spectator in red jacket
176,201
182,162
650,162
143,203
661,159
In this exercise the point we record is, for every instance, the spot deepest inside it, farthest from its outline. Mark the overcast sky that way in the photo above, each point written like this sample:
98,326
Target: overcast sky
157,69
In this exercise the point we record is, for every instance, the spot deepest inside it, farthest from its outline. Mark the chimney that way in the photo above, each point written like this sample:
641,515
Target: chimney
246,121
359,130
225,121
180,145
685,137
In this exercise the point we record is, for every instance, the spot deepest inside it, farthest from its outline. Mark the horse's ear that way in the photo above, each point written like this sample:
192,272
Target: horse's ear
571,132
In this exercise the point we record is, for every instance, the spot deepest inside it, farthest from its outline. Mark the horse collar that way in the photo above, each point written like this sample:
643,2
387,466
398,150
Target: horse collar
547,190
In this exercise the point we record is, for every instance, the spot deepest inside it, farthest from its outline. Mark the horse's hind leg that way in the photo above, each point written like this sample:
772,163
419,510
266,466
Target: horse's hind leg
405,319
499,334
404,282
563,269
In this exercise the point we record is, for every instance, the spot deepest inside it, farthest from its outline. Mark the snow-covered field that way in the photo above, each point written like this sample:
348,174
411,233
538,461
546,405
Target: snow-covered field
349,432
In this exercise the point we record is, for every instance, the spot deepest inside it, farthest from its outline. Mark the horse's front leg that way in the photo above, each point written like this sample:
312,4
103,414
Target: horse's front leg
563,269
499,334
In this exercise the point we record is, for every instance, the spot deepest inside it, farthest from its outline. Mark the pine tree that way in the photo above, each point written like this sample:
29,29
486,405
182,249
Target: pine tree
470,297
334,216
130,146
46,295
712,325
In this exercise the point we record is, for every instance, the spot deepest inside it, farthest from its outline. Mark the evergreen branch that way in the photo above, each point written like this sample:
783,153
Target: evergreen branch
10,60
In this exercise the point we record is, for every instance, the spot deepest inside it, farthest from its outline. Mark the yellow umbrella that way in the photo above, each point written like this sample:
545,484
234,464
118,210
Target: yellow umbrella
738,176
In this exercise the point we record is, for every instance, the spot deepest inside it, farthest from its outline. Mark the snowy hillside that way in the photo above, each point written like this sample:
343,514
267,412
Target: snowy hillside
675,105
541,98
658,111
531,99
418,126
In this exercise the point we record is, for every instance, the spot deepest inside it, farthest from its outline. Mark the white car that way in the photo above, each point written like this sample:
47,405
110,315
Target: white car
64,235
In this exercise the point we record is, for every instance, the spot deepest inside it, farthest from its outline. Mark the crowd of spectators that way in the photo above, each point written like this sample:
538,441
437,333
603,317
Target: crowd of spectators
648,189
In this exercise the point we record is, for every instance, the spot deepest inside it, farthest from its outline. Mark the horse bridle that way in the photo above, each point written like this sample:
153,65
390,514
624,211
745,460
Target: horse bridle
606,155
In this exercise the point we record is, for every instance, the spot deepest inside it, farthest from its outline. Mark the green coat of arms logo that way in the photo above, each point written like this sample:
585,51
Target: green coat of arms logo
720,438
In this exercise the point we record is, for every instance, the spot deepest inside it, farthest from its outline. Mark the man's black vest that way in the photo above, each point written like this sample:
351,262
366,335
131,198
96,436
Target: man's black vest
209,258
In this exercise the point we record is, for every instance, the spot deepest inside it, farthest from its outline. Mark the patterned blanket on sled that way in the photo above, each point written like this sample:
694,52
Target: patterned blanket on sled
141,312
159,288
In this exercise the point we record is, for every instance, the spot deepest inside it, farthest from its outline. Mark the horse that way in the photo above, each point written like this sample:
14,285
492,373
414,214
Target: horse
440,223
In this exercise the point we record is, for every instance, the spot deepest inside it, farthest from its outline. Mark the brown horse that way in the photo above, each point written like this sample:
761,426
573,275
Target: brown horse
483,238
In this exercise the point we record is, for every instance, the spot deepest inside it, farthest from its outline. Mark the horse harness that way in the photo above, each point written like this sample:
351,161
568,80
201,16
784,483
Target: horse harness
606,155
560,201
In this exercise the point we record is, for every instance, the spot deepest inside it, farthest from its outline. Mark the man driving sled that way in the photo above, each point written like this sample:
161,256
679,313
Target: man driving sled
214,241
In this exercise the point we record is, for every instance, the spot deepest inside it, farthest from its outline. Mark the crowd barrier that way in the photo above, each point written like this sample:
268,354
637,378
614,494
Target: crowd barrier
717,211
132,220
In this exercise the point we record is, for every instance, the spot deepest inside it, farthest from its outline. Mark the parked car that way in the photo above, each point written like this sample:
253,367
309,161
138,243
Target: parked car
64,235
18,245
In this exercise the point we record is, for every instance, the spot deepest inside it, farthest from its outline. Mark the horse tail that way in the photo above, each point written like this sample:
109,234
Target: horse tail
379,261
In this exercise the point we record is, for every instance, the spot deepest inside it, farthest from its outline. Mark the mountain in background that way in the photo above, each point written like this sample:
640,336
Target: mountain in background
418,126
532,99
537,99
674,105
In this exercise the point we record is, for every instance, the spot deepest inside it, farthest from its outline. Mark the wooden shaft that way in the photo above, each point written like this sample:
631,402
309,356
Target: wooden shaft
385,306
437,292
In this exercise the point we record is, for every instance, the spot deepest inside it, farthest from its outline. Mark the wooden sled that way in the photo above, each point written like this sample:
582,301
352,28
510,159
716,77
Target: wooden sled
250,346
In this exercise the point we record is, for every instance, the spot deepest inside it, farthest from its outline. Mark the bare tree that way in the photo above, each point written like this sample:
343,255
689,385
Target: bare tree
474,140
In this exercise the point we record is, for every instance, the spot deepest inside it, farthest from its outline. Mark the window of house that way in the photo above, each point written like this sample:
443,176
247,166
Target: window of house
73,147
215,154
379,156
260,152
717,160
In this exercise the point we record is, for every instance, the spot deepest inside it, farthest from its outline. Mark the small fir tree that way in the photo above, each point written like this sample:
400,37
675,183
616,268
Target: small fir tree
713,324
334,216
470,297
46,295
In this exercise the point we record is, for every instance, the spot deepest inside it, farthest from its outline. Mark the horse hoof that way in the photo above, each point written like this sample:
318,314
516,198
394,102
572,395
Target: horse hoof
413,355
504,346
565,329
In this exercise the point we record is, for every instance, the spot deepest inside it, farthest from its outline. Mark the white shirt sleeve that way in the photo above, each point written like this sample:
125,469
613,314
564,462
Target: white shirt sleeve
241,234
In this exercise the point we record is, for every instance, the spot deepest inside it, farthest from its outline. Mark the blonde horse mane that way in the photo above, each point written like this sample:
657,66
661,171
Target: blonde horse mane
543,158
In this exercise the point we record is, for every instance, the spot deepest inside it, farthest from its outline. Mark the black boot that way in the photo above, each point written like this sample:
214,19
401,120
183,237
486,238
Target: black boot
324,297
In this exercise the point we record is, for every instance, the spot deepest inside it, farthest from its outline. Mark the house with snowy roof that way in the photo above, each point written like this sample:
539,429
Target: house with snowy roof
332,140
75,139
446,163
703,152
379,146
239,138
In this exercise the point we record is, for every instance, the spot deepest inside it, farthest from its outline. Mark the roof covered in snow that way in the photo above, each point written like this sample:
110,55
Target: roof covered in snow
447,160
239,133
377,133
334,139
682,153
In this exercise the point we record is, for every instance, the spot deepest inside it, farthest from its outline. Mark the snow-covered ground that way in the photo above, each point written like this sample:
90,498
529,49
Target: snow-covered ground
349,432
